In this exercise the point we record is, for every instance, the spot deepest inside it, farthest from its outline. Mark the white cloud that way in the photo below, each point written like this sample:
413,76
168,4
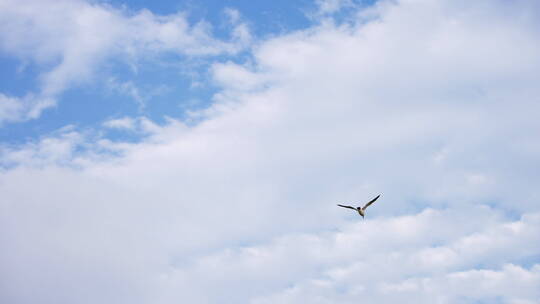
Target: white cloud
416,104
10,108
127,88
14,109
241,30
57,149
400,268
120,123
332,6
72,40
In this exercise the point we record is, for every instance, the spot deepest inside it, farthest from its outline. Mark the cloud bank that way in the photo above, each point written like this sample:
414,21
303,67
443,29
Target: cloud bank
431,103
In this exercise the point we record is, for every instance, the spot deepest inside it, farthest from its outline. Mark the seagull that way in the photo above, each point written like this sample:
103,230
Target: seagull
361,210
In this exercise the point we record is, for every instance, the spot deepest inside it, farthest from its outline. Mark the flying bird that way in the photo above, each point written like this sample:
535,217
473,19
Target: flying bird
361,210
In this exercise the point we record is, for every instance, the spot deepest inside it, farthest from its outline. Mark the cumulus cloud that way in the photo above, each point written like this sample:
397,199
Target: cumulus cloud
511,284
431,103
72,40
408,264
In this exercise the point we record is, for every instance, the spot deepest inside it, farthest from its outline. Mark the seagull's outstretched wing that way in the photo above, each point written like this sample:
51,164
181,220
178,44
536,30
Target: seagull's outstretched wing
350,207
370,202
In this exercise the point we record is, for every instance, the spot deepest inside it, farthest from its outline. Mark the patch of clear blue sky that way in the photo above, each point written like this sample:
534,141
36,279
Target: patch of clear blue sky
166,88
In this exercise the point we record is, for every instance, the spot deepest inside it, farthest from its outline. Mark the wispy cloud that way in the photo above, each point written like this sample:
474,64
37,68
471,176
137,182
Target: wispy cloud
73,39
127,123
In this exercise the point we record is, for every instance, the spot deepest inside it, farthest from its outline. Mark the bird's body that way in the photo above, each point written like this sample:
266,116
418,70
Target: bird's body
361,210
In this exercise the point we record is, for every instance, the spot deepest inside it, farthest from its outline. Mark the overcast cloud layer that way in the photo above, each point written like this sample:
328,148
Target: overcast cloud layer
434,104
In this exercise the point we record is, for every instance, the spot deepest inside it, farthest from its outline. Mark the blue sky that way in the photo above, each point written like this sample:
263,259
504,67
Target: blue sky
174,83
151,151
167,80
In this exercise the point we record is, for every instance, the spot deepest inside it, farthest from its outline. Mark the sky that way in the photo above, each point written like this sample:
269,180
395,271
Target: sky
194,151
